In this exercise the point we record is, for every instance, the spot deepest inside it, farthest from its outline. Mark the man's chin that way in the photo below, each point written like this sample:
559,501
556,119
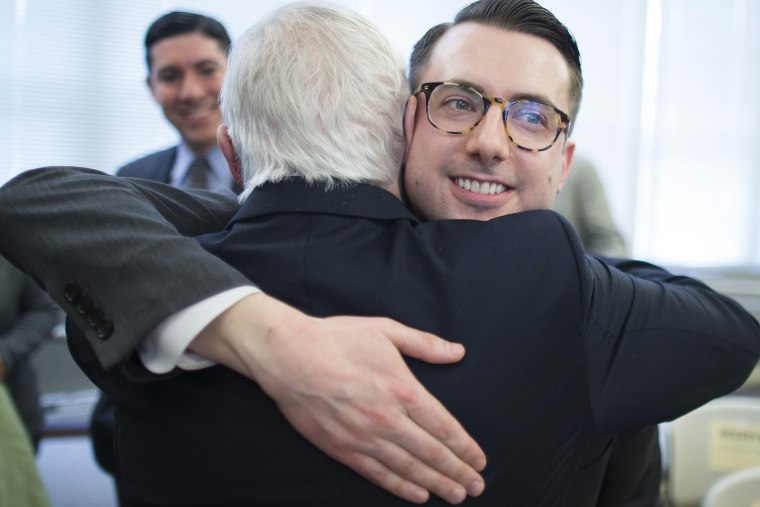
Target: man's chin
199,143
467,212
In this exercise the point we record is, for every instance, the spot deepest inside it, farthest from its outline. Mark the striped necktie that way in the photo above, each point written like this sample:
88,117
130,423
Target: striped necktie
197,173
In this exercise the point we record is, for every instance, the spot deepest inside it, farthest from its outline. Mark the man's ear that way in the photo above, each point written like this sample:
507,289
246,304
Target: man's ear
567,162
228,150
409,116
149,84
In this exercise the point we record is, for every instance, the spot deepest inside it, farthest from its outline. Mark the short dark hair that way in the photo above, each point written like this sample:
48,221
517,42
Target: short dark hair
524,16
180,23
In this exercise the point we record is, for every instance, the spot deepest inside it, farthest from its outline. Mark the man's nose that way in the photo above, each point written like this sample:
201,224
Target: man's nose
489,139
191,88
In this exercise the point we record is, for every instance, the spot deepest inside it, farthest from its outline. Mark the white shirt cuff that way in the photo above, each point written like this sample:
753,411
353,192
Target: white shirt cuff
165,347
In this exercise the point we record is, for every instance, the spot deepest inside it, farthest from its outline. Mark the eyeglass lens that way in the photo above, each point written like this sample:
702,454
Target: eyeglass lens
457,109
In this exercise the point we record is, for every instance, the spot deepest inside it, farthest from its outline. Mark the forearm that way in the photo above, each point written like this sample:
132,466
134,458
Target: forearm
668,346
261,316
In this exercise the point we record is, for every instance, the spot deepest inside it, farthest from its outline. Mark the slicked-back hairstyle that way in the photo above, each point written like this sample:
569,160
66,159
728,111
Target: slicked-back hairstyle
422,51
315,91
524,16
181,23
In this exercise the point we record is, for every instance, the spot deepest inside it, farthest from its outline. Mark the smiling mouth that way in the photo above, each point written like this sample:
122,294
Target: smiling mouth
480,187
195,114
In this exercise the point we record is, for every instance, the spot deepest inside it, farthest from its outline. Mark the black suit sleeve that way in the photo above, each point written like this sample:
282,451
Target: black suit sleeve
107,250
660,345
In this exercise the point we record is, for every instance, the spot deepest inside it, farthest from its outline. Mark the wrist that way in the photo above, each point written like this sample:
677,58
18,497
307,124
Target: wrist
240,337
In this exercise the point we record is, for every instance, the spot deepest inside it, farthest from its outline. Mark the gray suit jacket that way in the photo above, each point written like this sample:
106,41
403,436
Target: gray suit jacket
584,203
115,311
27,317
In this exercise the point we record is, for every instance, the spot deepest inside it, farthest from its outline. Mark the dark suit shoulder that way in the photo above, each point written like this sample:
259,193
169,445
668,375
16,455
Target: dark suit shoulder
155,166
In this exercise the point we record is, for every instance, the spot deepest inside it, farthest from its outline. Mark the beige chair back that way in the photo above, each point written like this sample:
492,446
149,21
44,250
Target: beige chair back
737,489
710,442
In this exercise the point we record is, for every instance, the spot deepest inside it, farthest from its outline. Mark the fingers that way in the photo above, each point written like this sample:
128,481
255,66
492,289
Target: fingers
401,474
425,461
445,430
381,441
446,453
421,345
377,473
406,461
371,442
425,409
425,445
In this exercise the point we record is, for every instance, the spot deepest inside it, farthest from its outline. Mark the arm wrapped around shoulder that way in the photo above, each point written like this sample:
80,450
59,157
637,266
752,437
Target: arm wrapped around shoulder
111,252
660,345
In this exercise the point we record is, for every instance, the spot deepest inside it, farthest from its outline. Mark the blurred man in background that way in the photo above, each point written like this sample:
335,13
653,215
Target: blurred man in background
27,319
186,54
584,202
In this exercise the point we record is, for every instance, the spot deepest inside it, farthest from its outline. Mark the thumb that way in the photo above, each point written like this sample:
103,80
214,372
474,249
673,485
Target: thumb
421,345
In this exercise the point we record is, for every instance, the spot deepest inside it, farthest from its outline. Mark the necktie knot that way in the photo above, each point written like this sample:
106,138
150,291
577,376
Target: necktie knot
197,173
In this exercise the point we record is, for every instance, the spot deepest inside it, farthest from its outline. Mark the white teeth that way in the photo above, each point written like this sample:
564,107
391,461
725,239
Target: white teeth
195,113
481,188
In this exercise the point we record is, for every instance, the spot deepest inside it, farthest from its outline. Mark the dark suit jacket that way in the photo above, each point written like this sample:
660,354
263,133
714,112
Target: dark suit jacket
157,167
563,352
27,318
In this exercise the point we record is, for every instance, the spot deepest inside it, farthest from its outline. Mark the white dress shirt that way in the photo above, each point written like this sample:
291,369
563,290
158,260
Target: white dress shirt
166,347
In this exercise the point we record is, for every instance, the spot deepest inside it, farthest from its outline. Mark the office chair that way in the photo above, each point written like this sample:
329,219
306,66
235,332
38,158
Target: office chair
712,441
737,489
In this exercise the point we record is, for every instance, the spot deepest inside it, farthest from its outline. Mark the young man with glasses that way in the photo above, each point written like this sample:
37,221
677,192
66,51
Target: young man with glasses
481,157
475,156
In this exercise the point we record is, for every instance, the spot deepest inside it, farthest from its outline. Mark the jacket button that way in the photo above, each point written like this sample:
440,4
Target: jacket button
94,317
83,305
71,292
104,329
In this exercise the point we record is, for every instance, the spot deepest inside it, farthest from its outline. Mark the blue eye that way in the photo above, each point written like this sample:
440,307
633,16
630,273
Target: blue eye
532,118
530,113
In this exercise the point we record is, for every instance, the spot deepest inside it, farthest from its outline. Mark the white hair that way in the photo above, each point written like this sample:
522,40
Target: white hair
315,91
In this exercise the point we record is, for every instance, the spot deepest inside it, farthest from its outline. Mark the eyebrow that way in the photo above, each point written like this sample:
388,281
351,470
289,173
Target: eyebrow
533,97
